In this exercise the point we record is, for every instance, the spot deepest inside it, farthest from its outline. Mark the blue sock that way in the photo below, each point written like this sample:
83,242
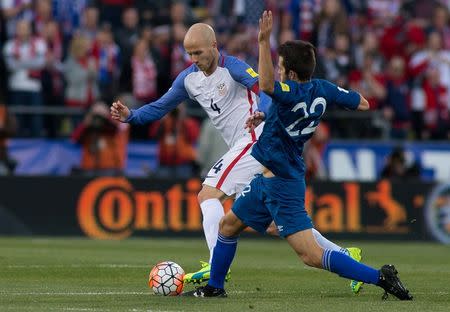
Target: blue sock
223,255
345,266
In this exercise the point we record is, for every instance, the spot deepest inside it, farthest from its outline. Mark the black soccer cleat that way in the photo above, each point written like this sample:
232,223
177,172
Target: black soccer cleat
391,284
206,291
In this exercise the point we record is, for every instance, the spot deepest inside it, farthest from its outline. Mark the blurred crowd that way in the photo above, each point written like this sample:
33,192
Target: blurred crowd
82,54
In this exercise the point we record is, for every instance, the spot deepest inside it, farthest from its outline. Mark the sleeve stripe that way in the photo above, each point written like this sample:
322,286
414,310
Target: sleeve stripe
255,88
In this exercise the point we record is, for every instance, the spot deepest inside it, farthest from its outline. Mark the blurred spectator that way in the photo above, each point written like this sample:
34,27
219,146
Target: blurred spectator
143,74
223,16
52,77
419,10
160,43
249,12
179,59
368,82
382,11
211,146
25,59
42,15
337,61
89,24
300,17
177,136
286,35
7,130
108,55
80,71
331,20
433,55
128,34
440,24
68,15
14,11
111,10
397,166
396,108
180,13
104,142
433,121
370,45
153,12
3,78
313,153
402,37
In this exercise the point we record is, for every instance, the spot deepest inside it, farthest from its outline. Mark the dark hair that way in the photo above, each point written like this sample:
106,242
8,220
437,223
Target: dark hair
300,57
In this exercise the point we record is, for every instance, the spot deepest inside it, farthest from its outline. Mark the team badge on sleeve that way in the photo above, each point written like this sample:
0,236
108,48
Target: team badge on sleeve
251,72
285,87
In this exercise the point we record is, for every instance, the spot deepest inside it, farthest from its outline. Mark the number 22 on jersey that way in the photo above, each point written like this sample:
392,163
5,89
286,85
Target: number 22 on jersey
294,129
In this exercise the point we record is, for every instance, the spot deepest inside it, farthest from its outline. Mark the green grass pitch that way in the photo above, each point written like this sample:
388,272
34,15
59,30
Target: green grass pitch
40,274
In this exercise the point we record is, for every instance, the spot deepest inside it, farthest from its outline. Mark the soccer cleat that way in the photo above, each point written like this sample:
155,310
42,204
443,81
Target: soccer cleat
391,284
355,253
206,291
202,275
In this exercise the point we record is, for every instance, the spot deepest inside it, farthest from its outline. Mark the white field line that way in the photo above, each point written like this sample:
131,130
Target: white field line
88,293
104,265
95,309
82,309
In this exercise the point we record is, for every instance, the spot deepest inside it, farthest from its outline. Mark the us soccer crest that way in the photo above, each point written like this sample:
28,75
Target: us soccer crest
222,89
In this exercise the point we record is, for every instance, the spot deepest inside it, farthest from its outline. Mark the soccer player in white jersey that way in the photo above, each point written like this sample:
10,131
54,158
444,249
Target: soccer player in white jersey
227,89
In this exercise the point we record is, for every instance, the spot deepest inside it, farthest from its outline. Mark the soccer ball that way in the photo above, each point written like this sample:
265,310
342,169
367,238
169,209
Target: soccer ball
166,278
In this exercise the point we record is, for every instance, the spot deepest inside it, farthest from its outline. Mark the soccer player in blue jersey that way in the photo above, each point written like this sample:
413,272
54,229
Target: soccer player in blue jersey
227,89
279,192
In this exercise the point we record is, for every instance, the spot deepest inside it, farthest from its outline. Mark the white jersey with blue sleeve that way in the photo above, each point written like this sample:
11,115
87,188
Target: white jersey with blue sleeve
229,96
226,96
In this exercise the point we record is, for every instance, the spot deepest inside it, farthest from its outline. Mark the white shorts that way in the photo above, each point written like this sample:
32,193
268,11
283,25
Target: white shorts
235,169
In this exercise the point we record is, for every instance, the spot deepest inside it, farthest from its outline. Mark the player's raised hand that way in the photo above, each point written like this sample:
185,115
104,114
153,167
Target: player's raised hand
265,26
119,111
254,121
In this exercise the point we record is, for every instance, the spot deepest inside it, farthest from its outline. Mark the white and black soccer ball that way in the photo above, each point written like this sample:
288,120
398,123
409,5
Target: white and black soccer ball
166,278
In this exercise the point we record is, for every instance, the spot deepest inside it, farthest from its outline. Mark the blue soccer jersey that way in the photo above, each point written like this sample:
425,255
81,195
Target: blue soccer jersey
294,115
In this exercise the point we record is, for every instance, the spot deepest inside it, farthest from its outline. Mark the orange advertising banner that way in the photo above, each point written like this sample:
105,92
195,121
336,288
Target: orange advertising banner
117,208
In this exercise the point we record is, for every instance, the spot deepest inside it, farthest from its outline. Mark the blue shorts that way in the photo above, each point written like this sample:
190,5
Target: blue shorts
277,199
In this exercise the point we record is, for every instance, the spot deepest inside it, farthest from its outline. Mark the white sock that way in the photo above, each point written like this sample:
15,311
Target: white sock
212,210
326,244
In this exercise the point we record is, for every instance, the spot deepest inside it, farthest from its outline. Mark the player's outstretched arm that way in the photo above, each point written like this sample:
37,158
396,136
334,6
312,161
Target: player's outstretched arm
154,110
265,65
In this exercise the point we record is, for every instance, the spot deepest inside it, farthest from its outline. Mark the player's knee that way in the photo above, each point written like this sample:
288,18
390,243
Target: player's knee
208,192
205,194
